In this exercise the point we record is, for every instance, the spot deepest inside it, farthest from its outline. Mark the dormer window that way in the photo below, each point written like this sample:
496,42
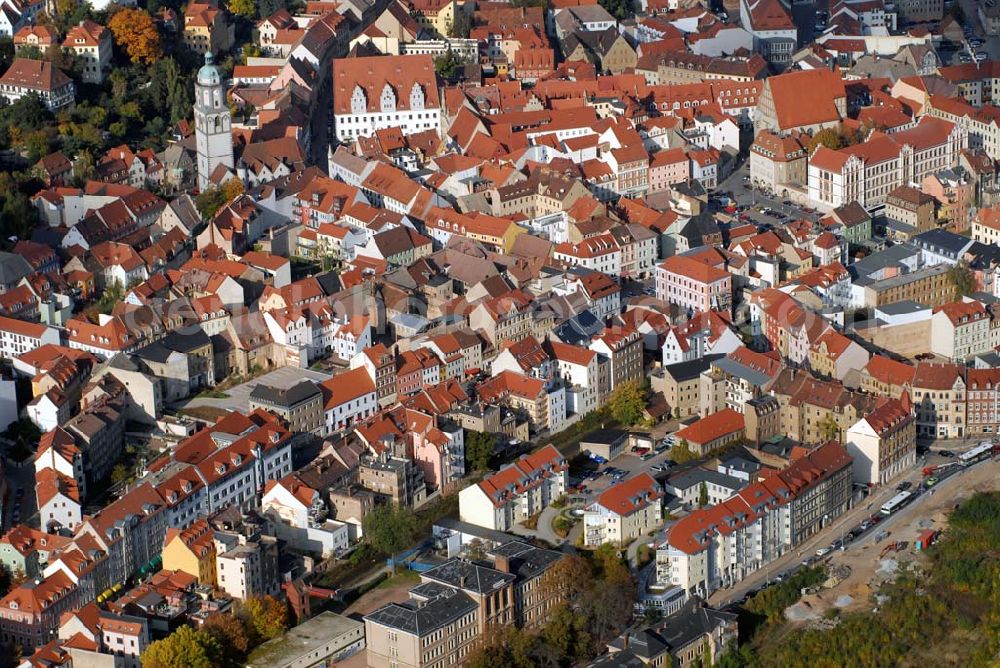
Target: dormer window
359,101
416,97
387,101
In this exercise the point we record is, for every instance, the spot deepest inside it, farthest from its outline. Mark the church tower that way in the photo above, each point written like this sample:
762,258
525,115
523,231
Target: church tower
212,122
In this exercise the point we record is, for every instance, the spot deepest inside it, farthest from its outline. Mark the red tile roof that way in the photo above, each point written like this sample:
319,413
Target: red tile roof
712,427
631,495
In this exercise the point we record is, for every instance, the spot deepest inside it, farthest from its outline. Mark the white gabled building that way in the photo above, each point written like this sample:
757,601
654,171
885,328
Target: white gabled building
348,398
381,92
515,492
624,512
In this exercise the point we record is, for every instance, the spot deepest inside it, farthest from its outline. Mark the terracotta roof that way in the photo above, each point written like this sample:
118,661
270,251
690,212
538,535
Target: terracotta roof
631,495
345,387
712,427
889,371
524,474
806,97
35,75
693,269
372,75
930,376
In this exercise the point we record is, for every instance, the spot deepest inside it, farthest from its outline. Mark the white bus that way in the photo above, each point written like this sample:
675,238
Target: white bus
896,502
980,452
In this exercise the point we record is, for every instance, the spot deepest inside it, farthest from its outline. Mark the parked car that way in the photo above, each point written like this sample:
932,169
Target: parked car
823,551
947,453
930,482
903,486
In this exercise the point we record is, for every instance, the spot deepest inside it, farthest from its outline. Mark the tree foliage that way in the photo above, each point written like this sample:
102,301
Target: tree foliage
389,528
947,613
136,33
836,138
478,450
627,402
232,635
597,599
184,648
681,453
264,617
245,8
962,279
829,430
620,9
703,495
461,26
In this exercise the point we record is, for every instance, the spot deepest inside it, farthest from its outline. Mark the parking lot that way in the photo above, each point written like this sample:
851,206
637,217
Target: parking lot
238,398
753,200
599,475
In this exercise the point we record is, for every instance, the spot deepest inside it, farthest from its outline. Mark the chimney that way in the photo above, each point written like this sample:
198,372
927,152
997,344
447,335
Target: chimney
502,563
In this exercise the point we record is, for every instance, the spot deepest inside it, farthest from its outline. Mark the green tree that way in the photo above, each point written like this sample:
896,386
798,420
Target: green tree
478,450
620,9
461,26
113,293
828,428
681,452
184,648
119,474
627,402
265,617
703,495
962,279
447,65
209,201
245,8
389,528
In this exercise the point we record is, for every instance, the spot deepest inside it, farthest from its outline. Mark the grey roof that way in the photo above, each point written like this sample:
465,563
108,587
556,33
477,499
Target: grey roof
693,369
741,464
903,279
12,268
580,328
526,561
301,643
423,618
285,398
469,576
175,342
942,242
604,436
902,308
892,256
734,368
696,476
692,622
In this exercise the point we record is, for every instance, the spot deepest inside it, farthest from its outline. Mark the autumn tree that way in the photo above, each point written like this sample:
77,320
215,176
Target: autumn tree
135,31
264,616
184,648
627,402
827,137
231,633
